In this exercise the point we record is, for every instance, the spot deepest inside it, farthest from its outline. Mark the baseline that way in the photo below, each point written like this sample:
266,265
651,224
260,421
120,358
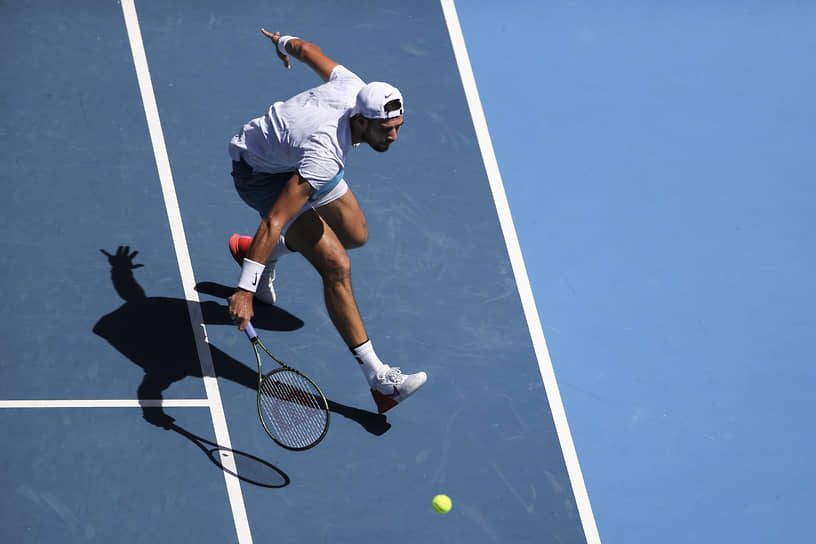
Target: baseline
106,403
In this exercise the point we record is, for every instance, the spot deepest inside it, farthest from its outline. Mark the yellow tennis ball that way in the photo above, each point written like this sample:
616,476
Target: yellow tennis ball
442,504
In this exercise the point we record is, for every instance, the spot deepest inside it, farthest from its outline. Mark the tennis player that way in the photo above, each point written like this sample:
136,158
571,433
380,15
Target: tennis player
289,166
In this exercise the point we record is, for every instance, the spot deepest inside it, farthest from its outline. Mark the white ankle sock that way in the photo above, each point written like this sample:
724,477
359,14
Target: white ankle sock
280,250
369,362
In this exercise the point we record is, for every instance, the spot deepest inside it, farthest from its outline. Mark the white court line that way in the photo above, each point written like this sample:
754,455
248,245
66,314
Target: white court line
520,272
106,403
236,498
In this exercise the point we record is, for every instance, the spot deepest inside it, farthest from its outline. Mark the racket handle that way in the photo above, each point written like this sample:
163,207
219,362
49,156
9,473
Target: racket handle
250,331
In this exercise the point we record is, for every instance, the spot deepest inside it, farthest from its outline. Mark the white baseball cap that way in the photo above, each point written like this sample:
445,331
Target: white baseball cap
378,100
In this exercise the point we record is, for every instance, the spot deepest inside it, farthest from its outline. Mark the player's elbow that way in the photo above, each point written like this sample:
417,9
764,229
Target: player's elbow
273,225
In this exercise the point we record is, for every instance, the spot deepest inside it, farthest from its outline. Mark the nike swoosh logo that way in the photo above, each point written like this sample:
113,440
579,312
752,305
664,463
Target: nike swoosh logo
395,394
389,94
255,281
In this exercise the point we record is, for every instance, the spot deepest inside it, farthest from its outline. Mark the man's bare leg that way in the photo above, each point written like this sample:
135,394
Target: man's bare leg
316,240
311,236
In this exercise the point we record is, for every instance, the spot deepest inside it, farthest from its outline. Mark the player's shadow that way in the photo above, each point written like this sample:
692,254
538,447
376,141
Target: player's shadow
156,334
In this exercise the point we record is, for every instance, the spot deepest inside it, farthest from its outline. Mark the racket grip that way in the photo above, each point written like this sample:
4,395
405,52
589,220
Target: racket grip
250,331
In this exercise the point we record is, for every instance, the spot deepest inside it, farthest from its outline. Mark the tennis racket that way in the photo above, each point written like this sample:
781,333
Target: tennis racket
293,410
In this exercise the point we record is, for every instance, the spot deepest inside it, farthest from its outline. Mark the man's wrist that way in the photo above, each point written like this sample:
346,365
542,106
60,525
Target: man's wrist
282,41
250,275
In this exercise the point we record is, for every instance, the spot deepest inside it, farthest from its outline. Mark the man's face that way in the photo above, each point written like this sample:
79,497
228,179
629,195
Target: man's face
380,133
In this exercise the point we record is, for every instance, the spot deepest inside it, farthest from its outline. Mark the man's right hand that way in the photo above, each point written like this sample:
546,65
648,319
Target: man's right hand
240,308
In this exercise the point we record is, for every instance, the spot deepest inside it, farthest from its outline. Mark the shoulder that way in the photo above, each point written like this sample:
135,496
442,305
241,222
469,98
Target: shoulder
341,73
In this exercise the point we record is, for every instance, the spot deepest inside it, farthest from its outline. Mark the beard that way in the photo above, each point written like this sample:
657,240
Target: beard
380,147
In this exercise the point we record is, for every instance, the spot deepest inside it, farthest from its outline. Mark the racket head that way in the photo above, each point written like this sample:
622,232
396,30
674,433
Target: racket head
293,410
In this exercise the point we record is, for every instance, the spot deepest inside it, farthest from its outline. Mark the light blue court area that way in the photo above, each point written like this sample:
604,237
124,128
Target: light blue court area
127,398
658,161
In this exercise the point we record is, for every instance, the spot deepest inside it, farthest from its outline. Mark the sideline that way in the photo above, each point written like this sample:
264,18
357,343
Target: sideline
222,437
520,272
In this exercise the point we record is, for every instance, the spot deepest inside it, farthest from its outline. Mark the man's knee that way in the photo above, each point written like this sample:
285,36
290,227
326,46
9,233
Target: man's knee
336,267
357,237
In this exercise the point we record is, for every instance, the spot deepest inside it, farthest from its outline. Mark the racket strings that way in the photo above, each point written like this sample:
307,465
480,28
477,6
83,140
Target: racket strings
292,408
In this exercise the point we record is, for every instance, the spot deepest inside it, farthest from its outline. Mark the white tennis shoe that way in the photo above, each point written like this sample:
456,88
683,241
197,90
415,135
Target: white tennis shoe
266,289
392,387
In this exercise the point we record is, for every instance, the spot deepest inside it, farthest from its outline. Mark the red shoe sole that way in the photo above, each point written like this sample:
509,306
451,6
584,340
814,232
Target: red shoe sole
383,403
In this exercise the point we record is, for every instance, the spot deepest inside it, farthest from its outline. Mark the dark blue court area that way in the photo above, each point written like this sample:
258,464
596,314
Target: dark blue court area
128,398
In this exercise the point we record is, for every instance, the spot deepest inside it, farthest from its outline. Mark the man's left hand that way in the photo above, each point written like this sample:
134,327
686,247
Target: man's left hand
275,37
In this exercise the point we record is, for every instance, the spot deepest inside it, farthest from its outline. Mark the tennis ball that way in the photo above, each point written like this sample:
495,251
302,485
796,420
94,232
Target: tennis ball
442,504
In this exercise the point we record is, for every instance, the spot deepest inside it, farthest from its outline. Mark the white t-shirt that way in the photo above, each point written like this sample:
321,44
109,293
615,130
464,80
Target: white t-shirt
309,133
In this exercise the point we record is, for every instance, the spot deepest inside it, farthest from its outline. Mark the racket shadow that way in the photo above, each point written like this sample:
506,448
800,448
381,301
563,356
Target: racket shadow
248,468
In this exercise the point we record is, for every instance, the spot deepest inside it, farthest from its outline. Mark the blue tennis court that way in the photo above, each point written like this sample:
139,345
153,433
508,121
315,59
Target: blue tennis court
665,221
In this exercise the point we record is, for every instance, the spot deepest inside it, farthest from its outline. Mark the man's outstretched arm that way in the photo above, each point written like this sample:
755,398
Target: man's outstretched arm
306,52
294,196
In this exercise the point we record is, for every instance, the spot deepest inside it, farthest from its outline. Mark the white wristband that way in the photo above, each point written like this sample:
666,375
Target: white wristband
282,43
250,274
